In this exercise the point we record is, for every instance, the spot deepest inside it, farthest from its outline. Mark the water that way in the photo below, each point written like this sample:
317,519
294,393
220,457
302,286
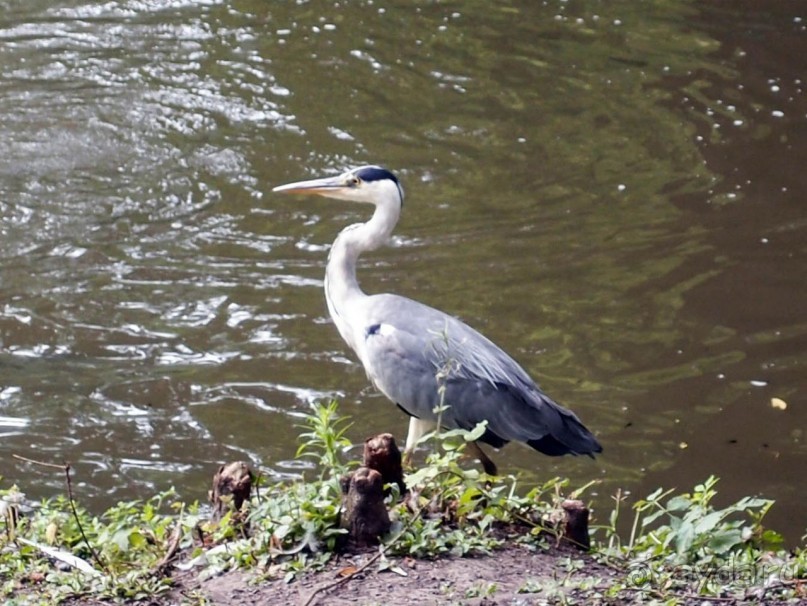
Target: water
612,192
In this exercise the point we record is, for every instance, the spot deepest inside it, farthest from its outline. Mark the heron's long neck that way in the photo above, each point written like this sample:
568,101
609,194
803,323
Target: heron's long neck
341,285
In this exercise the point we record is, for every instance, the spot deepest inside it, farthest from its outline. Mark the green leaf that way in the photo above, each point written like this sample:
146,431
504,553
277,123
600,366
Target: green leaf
137,540
679,503
684,537
121,539
752,503
772,540
477,432
707,523
650,518
655,494
724,541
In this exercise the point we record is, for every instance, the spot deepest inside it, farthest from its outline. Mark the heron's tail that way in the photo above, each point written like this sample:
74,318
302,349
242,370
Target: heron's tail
568,436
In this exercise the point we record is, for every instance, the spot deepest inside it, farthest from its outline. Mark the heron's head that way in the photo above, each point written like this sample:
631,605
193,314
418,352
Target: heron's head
369,184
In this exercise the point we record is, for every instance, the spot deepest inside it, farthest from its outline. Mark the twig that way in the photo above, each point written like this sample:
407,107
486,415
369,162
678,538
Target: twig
709,598
672,593
66,468
257,484
328,586
94,553
781,584
40,463
173,545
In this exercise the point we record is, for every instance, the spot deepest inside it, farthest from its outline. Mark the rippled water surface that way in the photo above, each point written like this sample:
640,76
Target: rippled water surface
614,192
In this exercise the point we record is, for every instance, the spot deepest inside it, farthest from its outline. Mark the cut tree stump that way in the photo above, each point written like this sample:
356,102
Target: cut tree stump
575,530
232,485
382,454
364,514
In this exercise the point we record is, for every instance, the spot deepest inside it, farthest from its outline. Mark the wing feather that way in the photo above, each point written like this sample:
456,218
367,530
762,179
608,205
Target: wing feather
409,349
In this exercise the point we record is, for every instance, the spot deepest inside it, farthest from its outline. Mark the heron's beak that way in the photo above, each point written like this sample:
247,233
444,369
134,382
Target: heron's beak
326,186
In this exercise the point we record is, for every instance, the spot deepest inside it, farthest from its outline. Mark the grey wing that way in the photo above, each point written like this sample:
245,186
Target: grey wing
407,344
395,358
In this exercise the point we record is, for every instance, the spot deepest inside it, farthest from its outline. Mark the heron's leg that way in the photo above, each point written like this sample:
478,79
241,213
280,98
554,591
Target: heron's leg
417,429
487,464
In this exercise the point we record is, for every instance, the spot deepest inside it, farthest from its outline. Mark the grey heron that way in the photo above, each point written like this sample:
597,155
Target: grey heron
422,358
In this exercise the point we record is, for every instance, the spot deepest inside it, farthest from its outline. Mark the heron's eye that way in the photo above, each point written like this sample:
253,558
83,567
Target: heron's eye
354,181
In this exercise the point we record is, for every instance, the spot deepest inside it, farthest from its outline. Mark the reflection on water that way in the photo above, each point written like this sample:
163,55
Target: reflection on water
611,192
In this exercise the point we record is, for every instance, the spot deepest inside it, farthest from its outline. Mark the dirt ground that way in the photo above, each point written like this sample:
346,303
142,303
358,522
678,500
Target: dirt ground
489,580
512,576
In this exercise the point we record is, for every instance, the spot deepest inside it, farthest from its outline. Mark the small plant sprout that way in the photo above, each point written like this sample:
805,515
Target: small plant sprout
325,441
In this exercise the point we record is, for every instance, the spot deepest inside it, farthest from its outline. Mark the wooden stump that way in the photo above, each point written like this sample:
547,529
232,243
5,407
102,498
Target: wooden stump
232,485
576,524
381,453
364,514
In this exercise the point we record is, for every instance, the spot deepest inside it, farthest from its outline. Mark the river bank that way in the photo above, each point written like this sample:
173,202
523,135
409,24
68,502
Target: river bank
452,535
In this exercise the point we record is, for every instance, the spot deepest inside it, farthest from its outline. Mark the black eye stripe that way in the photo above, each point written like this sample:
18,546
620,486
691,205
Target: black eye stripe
374,173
